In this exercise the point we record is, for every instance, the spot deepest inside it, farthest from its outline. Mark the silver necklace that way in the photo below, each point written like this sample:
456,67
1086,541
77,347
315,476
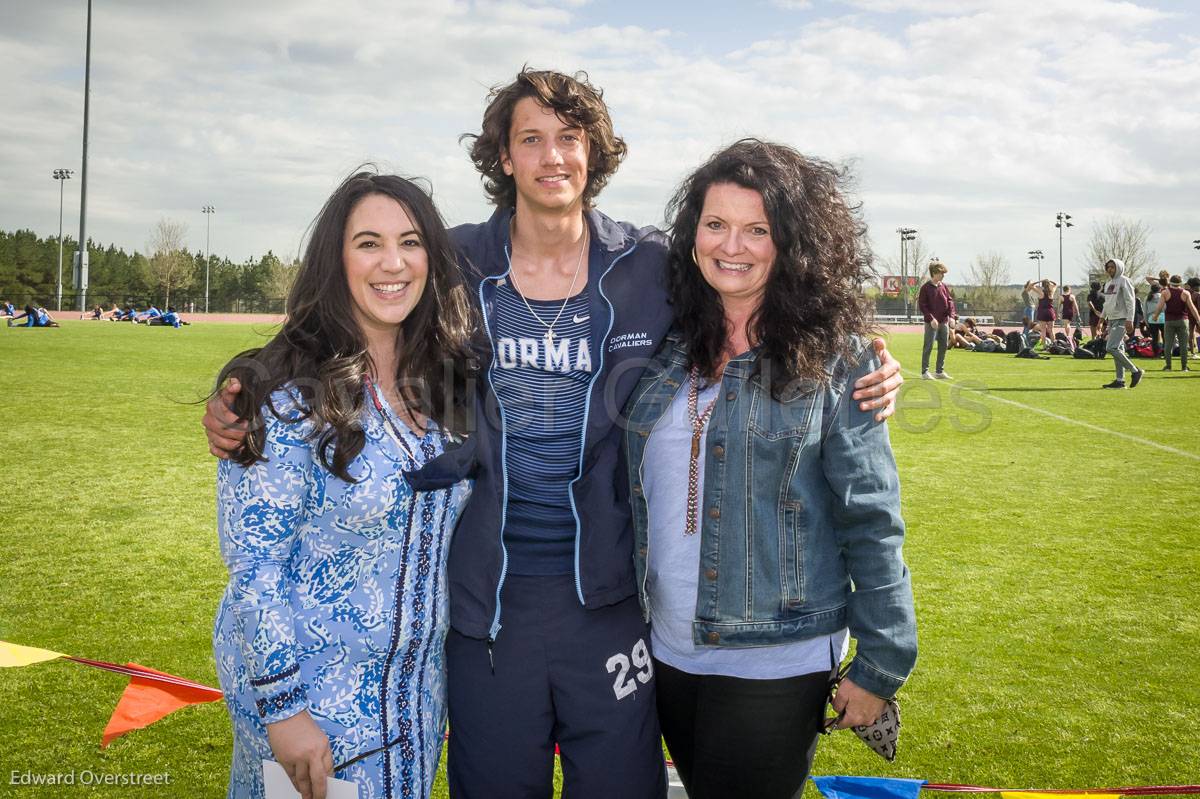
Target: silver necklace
570,291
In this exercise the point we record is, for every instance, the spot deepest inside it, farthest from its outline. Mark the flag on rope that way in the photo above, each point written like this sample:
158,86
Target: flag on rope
841,787
149,698
1037,795
16,655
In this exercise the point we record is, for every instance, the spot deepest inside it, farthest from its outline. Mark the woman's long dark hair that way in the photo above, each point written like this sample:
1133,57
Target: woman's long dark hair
812,301
321,353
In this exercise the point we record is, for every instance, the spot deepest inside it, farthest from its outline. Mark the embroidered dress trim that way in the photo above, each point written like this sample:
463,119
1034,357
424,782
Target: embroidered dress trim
283,675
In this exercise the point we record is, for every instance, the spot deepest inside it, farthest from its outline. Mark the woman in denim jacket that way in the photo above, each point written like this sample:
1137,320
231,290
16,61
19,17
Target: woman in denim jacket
766,503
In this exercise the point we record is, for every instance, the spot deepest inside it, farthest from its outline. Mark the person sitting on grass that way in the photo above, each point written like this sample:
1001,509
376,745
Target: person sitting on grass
171,317
966,335
1120,304
1173,304
147,315
9,310
34,317
99,314
937,306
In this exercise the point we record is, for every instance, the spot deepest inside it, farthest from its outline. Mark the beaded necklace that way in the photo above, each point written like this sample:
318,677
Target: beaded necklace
698,420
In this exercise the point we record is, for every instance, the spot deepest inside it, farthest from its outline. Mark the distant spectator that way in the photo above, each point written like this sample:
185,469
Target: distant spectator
9,310
936,305
1095,299
1155,320
1120,304
1071,317
1177,308
1162,280
1194,290
1029,296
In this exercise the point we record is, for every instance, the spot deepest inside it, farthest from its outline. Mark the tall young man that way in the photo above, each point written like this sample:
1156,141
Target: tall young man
548,644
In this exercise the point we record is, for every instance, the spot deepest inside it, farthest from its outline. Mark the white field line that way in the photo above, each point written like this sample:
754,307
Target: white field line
1135,439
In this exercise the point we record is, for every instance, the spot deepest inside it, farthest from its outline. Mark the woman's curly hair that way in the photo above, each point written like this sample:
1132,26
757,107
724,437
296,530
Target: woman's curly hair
812,302
320,354
575,101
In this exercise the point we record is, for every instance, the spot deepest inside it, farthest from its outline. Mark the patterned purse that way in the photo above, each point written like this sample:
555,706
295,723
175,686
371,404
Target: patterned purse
883,734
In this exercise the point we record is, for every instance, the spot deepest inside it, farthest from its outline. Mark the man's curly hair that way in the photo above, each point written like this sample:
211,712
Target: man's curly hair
575,101
812,302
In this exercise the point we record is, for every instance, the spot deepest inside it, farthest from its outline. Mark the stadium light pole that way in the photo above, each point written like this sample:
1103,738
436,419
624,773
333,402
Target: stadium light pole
1062,222
62,176
1036,255
81,275
906,234
208,211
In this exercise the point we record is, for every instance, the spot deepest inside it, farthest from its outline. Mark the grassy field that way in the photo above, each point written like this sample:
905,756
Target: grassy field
1052,538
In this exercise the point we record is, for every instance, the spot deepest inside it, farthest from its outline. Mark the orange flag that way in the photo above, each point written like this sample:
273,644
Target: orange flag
146,700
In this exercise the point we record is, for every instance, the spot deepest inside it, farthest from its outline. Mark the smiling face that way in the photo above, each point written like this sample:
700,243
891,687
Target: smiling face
386,265
734,248
1111,269
546,156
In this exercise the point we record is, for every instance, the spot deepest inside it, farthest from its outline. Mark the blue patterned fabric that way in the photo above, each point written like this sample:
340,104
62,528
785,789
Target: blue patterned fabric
336,602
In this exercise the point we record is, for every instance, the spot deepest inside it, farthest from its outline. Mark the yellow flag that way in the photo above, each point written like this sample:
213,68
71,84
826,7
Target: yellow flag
17,655
1035,795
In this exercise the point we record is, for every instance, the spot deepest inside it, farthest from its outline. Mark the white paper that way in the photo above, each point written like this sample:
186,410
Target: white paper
279,786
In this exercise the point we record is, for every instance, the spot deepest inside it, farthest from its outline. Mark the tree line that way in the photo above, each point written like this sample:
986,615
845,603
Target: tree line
169,275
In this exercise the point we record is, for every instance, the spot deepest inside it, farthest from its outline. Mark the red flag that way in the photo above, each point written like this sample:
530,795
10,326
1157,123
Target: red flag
149,698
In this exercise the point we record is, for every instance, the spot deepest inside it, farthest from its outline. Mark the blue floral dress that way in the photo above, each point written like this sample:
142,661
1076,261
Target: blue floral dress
336,602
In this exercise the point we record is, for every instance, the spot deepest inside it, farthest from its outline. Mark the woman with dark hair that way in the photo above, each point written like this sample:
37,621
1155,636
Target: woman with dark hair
783,536
328,640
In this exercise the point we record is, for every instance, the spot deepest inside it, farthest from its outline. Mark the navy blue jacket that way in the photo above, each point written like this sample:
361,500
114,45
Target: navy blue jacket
630,316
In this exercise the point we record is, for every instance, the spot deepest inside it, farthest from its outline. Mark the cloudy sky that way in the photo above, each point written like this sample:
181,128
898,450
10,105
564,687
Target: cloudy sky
972,121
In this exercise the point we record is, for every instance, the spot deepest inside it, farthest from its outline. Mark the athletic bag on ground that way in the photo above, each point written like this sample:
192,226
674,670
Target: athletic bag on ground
1012,342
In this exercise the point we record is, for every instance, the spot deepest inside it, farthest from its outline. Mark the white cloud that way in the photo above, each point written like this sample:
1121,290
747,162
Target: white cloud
973,121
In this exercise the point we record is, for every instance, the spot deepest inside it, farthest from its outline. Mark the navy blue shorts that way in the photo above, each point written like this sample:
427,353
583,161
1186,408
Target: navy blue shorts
562,674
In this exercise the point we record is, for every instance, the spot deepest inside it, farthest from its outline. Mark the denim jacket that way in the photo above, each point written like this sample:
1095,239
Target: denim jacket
800,530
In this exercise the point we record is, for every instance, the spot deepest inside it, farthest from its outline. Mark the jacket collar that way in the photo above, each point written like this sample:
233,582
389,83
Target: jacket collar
605,233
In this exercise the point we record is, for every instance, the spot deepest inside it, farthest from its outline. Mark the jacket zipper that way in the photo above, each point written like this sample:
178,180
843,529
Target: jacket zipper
587,406
495,628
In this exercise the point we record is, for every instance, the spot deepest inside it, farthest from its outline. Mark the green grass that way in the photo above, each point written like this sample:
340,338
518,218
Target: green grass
1054,564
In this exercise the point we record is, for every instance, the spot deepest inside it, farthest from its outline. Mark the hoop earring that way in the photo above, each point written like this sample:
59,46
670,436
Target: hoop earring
695,260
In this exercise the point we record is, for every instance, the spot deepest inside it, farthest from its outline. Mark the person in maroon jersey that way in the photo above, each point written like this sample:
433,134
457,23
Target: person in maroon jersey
936,304
1193,284
1045,315
1176,303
